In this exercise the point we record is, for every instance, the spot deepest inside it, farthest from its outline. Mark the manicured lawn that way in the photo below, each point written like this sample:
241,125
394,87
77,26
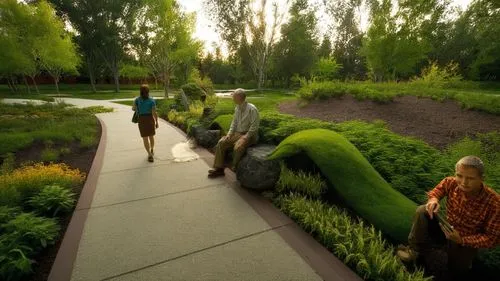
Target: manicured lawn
104,92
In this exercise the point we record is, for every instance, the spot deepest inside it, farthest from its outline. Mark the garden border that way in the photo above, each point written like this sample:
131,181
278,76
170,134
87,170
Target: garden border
62,267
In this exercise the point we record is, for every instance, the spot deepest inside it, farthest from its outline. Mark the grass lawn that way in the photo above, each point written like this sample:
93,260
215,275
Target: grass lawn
56,127
104,92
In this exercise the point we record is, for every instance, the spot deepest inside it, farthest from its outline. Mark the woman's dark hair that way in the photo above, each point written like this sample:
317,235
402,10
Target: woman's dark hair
144,91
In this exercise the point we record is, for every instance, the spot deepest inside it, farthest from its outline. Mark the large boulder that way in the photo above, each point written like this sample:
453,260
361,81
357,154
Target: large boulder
255,171
205,138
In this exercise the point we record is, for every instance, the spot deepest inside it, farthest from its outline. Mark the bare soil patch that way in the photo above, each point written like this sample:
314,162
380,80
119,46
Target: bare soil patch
437,123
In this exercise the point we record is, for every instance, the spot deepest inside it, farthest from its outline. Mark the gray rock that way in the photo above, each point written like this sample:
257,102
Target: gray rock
255,171
205,138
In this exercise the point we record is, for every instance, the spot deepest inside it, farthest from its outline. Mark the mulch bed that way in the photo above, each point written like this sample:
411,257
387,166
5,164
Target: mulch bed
437,123
79,158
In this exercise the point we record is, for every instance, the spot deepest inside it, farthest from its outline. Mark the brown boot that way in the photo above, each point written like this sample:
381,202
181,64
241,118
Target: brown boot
213,173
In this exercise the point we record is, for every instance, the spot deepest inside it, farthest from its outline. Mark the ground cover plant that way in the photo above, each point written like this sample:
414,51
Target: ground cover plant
56,127
484,100
33,201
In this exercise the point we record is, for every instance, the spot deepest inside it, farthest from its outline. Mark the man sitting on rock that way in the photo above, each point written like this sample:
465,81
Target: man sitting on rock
473,219
242,133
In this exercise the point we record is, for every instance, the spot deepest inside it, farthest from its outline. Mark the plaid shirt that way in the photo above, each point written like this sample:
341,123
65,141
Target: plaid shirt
477,219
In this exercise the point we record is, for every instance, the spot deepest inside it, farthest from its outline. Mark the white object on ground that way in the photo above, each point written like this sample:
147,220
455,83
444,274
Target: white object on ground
23,101
183,153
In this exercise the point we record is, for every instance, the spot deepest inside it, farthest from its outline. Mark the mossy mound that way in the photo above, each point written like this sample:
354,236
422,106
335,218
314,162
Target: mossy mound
354,179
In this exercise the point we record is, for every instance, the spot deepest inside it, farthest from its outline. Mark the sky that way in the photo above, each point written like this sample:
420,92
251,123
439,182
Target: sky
205,29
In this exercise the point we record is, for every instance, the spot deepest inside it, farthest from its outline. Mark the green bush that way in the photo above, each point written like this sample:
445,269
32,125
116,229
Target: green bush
8,213
193,91
23,183
354,179
24,236
52,200
32,231
360,247
485,146
309,185
14,264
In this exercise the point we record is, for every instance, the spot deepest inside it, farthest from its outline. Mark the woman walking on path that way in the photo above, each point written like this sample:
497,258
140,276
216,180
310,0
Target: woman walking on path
145,106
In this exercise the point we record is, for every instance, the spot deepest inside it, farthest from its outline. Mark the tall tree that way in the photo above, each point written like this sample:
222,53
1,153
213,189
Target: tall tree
394,45
15,41
56,53
347,36
325,50
170,44
230,18
296,52
484,27
105,30
240,24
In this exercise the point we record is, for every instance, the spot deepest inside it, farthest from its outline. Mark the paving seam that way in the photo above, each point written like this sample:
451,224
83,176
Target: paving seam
156,196
167,162
196,252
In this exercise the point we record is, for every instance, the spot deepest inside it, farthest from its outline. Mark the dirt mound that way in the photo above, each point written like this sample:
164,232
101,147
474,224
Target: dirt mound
437,123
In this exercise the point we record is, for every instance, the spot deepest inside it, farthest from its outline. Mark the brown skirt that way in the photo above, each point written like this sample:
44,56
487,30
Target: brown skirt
147,125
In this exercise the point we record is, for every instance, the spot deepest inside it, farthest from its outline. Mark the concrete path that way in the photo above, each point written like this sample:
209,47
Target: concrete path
166,220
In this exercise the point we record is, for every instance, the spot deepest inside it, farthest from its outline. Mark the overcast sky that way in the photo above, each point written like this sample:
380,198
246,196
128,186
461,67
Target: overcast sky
205,30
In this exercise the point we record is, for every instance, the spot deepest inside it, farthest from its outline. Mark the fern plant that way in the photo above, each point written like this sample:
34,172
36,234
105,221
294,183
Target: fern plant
52,200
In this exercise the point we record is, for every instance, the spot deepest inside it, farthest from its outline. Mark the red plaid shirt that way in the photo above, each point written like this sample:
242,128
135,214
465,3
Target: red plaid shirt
477,219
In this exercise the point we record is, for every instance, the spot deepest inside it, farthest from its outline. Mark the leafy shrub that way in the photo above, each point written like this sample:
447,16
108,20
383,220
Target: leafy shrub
439,77
485,146
52,200
14,264
27,181
32,231
192,91
309,185
8,213
354,179
24,236
196,110
326,69
360,247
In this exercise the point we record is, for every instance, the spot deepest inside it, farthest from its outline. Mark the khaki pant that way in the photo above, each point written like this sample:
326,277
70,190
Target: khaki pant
427,234
239,147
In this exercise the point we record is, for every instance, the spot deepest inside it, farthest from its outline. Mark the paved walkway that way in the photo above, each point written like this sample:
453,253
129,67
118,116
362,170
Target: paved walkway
167,221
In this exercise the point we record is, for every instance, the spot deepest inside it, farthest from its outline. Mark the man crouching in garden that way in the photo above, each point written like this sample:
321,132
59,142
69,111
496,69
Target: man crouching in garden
242,133
473,219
